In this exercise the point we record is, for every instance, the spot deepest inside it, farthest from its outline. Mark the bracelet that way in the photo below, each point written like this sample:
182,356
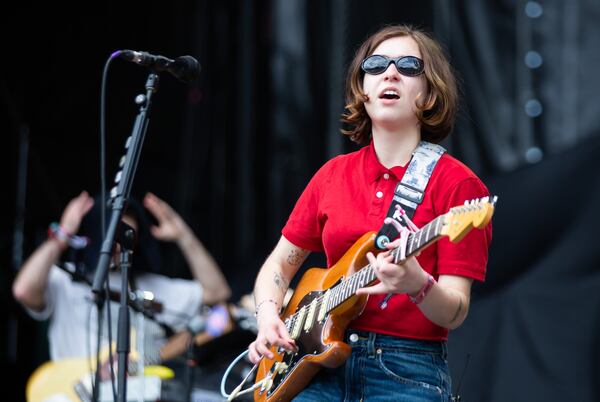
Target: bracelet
423,291
263,302
56,231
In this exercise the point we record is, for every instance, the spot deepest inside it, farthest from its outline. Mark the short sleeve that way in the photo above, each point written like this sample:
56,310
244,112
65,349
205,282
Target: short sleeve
56,280
468,257
304,227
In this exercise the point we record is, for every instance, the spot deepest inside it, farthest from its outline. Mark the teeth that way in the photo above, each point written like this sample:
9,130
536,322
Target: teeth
390,93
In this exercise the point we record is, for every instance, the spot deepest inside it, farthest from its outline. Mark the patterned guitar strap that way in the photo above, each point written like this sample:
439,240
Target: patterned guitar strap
409,193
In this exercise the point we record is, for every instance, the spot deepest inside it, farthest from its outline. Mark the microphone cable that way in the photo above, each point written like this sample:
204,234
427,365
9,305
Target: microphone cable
96,383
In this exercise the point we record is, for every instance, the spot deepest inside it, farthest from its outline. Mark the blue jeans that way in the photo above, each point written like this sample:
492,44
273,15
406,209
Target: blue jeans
384,368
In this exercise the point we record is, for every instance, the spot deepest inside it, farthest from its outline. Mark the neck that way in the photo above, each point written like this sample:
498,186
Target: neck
395,147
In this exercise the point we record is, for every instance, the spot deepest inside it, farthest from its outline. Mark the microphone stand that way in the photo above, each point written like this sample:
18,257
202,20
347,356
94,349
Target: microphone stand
190,363
120,195
123,341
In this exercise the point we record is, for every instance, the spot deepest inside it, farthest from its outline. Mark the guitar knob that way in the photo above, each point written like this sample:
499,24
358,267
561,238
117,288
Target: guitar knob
282,368
267,385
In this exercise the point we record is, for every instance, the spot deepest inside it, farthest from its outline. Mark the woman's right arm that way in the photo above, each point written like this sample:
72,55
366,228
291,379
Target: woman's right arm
269,290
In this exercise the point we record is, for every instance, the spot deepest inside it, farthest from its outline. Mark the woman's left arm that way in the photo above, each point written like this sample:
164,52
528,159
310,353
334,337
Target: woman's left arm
447,301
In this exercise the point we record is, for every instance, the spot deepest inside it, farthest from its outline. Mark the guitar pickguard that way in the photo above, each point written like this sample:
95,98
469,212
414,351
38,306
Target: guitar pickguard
310,343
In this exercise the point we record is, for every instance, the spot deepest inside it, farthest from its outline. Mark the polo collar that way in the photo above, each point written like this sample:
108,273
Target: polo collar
374,169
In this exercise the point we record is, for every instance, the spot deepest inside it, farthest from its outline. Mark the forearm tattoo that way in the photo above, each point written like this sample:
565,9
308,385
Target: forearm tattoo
295,257
280,282
458,310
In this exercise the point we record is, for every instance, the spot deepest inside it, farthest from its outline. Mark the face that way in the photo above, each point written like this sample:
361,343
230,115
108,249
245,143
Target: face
391,95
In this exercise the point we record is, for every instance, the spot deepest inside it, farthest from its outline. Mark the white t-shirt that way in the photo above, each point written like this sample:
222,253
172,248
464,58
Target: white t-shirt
73,315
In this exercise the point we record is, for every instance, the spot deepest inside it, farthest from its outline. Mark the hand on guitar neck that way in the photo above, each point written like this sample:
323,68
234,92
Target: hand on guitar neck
395,274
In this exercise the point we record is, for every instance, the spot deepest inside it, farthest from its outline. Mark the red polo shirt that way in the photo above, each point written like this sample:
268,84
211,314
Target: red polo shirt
350,195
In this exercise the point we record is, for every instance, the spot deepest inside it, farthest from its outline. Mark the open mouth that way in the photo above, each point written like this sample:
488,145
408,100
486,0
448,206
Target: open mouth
389,94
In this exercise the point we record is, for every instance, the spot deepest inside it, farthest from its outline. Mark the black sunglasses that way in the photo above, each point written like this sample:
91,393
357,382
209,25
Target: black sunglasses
410,66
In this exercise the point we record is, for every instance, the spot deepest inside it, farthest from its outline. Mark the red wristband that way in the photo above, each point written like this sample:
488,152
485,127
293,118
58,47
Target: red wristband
423,291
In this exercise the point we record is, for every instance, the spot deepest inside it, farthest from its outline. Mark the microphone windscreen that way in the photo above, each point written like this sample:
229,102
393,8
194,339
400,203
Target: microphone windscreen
185,68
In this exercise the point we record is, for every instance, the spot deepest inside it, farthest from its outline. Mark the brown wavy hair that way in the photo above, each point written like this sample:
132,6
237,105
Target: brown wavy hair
436,112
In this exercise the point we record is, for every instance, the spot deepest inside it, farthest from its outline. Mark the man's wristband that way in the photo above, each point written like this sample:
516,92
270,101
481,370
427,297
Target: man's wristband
56,231
423,291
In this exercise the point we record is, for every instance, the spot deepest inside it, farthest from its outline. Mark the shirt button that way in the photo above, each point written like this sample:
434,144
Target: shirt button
386,176
379,194
353,337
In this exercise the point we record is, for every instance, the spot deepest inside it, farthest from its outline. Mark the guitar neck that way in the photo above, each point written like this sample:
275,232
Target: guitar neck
416,242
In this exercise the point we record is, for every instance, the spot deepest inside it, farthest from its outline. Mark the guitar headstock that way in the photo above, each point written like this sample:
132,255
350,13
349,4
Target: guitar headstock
460,220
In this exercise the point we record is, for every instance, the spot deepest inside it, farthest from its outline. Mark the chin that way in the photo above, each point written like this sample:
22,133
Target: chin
390,119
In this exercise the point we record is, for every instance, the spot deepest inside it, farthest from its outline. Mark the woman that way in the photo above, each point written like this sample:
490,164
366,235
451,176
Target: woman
400,90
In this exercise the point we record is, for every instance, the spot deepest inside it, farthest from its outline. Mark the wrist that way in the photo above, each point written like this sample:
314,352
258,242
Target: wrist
58,235
184,238
419,296
265,304
65,239
60,245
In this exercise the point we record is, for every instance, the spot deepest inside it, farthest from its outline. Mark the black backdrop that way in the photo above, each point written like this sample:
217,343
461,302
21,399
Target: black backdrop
233,151
533,327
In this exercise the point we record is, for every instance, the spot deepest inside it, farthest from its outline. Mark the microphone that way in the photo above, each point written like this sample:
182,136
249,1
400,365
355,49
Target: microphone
184,68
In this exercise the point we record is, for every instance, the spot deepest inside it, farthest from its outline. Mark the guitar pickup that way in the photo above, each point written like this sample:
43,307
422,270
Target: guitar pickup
310,316
324,303
298,323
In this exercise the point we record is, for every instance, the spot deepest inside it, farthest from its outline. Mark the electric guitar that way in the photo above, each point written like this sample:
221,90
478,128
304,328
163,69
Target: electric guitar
69,380
325,301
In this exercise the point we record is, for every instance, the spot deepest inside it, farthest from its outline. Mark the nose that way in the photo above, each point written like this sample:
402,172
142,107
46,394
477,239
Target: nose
391,73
